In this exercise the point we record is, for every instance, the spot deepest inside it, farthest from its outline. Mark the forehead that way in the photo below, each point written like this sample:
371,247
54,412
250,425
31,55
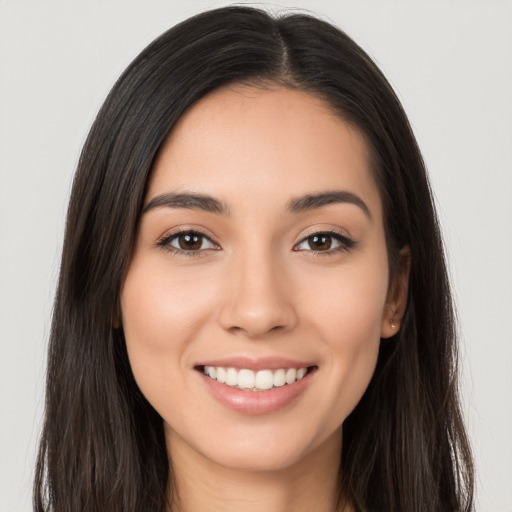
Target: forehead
242,143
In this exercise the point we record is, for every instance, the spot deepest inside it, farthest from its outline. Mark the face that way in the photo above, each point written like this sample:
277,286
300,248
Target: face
261,261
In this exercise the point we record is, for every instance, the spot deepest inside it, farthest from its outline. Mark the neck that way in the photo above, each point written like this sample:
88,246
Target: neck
204,486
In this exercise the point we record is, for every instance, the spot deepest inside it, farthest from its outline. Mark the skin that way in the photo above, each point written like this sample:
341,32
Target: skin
258,289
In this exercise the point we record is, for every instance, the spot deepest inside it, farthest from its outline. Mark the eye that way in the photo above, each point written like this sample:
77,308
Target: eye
187,242
325,242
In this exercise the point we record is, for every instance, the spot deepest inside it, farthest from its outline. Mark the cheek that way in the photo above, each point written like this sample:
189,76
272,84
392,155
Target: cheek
348,320
357,311
160,314
347,303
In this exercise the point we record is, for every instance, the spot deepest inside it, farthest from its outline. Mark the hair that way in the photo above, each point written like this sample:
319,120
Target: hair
102,446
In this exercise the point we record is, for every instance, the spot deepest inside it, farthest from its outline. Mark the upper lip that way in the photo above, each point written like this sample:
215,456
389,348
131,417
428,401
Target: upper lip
260,363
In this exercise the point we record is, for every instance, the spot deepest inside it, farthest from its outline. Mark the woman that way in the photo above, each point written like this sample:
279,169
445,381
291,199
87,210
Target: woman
253,310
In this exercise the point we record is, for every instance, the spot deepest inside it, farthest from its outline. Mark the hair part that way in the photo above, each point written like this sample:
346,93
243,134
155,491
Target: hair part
103,445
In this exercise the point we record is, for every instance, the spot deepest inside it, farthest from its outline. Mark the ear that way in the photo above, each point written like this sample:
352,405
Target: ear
396,301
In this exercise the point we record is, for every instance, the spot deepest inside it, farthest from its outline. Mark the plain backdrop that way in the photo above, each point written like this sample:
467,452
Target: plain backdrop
451,64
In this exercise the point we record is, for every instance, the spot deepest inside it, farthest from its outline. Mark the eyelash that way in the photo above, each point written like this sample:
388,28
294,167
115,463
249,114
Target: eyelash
345,243
165,243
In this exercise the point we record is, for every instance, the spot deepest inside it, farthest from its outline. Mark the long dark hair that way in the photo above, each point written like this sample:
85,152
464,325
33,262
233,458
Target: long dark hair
103,446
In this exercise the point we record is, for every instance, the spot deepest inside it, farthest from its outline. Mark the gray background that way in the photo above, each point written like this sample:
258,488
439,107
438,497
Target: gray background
451,64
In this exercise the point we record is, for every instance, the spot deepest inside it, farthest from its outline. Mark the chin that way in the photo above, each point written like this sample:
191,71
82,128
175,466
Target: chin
258,458
267,449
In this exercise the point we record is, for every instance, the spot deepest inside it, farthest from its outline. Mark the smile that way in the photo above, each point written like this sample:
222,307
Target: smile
256,391
250,380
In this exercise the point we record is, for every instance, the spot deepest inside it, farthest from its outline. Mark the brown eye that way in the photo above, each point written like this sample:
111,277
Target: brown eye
320,242
187,242
190,241
326,242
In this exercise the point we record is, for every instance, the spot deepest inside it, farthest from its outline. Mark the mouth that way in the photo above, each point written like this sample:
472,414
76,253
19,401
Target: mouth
256,386
246,379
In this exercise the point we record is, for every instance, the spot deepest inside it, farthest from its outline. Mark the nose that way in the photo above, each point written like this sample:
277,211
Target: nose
258,298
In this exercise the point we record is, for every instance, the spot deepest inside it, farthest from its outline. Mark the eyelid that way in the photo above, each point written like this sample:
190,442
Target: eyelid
345,241
188,228
165,240
324,228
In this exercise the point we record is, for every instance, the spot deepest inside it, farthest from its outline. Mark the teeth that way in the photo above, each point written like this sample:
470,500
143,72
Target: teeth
264,379
231,377
221,375
246,379
279,378
261,380
291,375
301,372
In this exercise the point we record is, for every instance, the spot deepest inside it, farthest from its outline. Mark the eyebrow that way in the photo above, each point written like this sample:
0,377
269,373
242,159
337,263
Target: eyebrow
190,201
207,203
313,201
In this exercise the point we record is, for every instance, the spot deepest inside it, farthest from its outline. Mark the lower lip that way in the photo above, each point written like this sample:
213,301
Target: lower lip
256,402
